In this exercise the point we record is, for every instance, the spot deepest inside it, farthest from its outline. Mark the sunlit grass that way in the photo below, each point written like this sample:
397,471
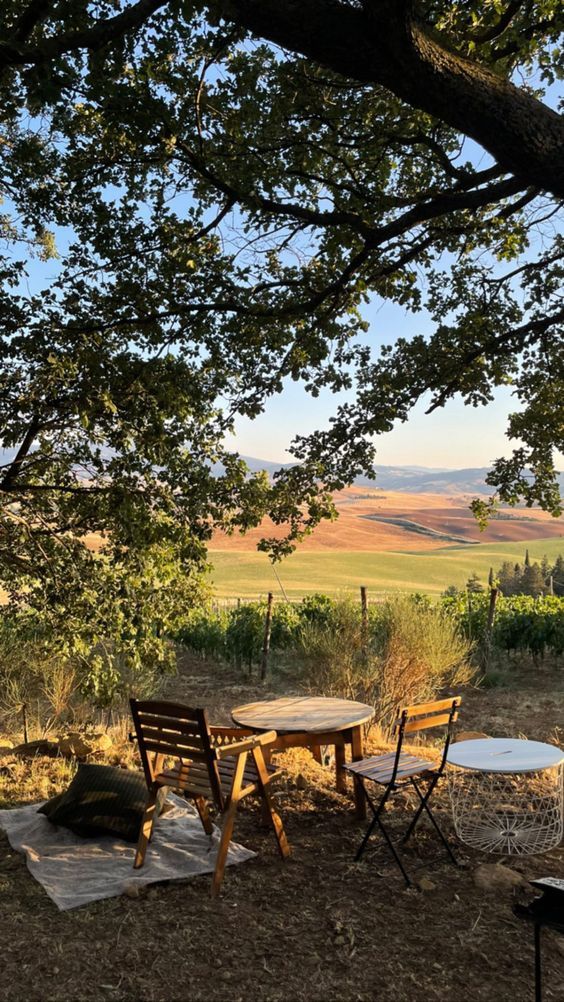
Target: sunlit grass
237,573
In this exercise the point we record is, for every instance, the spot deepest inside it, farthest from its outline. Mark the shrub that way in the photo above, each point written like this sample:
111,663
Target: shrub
413,650
336,657
245,633
421,651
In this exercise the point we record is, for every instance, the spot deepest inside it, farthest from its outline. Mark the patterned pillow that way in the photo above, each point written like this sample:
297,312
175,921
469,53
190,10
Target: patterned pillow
102,800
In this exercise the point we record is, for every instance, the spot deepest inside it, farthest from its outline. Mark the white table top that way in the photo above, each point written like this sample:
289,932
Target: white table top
504,755
312,714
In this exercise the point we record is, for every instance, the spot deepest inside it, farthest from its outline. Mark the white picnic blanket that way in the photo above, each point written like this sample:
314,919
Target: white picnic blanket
75,871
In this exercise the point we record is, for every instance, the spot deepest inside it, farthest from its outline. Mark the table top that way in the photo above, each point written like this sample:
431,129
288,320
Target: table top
314,714
504,755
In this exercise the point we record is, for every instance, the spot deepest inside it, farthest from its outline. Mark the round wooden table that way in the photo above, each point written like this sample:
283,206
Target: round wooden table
310,722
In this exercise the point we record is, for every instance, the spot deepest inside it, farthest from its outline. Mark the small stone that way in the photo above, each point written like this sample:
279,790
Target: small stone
100,742
496,877
132,891
73,745
425,883
301,782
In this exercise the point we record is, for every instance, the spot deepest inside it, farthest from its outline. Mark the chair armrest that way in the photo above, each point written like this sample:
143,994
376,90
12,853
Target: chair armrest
247,745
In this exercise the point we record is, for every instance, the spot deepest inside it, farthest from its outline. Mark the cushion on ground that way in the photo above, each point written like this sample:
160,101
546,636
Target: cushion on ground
101,800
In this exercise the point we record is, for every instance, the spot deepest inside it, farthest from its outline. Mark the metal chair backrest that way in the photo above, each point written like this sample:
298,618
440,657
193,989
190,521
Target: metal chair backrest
166,730
424,716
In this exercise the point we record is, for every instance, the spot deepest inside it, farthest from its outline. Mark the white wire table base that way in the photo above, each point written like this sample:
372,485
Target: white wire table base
513,814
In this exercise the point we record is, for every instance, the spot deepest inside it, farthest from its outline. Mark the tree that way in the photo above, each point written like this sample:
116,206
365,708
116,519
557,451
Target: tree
509,578
532,580
473,585
214,192
558,576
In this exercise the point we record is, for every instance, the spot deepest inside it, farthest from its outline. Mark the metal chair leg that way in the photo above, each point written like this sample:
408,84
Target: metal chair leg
372,825
425,807
376,821
538,972
420,809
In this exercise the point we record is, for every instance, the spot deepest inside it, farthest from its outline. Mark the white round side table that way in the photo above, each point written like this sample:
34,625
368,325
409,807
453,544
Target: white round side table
507,795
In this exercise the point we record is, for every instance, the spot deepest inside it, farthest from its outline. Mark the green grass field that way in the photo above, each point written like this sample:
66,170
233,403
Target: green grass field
249,575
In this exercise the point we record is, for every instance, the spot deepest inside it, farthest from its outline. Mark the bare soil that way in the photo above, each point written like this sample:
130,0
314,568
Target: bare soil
318,928
362,524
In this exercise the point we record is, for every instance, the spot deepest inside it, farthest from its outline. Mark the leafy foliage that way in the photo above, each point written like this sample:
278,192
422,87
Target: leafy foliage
199,202
522,623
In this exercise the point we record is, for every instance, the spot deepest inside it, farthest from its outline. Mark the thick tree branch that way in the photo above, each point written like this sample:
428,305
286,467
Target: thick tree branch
385,47
13,471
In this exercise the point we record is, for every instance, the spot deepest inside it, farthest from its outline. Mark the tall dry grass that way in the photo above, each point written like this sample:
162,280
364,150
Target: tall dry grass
411,652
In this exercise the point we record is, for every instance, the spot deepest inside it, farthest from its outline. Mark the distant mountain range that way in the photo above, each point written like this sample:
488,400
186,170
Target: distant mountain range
411,479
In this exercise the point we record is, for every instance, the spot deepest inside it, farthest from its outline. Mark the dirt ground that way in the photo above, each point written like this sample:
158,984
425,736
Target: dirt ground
317,928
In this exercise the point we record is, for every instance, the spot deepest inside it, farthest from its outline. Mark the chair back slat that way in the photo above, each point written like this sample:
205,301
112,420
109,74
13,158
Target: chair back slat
167,724
173,730
424,723
191,742
439,705
422,717
161,747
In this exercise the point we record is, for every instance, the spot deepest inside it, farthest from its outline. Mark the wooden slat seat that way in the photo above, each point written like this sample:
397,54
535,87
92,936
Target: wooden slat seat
380,768
217,765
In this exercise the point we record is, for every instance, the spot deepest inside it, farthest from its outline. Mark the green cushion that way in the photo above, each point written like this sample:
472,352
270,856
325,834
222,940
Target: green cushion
101,800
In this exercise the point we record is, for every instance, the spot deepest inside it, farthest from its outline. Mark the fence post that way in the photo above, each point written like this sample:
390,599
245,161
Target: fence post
364,615
494,592
267,632
491,611
24,722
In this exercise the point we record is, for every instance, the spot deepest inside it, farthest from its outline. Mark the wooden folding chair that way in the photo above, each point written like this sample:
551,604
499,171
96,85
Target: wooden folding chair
211,767
399,769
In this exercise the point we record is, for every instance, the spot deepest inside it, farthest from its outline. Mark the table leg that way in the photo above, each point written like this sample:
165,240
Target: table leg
357,750
316,752
340,774
265,818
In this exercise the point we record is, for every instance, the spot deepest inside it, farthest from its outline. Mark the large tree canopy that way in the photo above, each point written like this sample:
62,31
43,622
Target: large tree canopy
212,193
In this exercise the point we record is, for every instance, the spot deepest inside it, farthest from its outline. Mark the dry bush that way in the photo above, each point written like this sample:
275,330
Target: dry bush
34,676
412,651
337,659
421,652
59,684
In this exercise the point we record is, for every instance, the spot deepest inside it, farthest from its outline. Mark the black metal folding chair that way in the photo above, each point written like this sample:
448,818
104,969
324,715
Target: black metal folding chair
399,769
545,912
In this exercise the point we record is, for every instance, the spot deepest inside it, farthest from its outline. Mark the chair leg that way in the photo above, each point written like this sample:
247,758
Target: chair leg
425,807
268,809
228,825
202,809
146,830
376,821
371,826
538,970
420,809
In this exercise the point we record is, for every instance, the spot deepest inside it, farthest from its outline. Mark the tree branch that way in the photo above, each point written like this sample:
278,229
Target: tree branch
100,34
497,345
408,58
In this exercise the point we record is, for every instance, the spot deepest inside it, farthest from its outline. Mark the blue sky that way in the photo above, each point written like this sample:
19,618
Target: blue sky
453,437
